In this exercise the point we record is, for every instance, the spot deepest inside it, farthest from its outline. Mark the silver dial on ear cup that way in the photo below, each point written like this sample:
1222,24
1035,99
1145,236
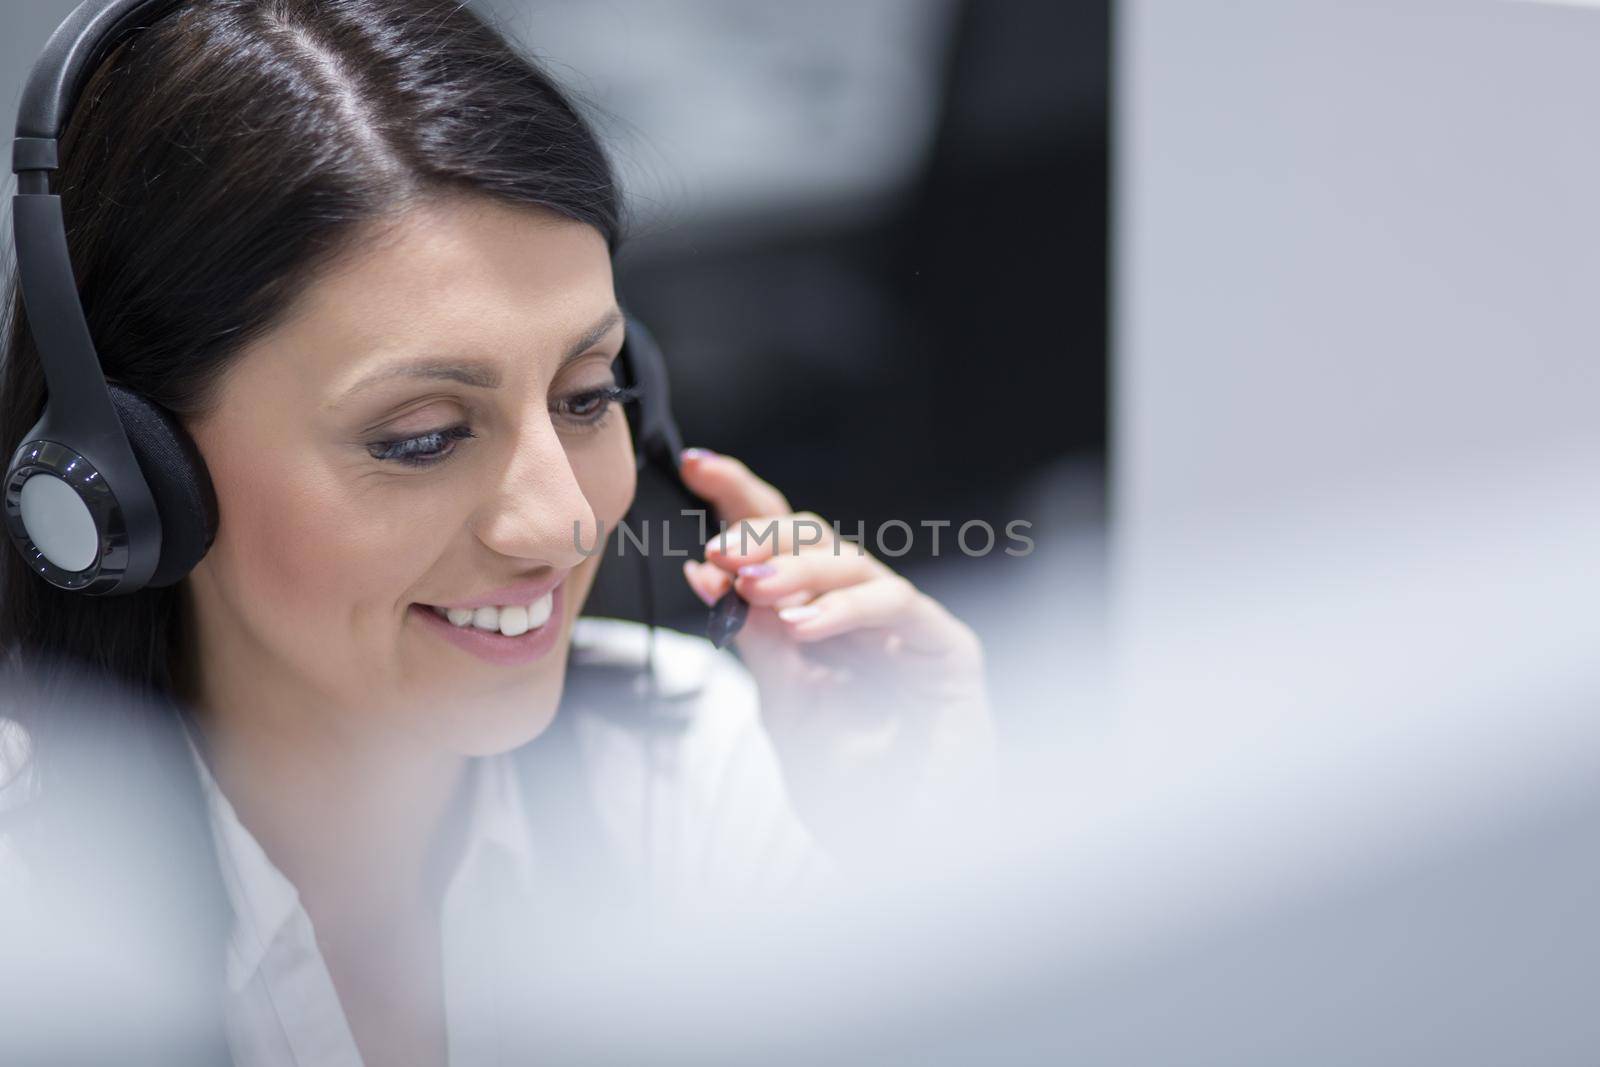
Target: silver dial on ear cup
58,523
63,516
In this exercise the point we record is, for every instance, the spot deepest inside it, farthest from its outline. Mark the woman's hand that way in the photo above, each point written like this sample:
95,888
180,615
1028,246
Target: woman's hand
873,693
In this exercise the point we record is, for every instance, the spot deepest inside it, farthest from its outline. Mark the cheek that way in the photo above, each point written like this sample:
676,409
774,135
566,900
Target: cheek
307,555
307,546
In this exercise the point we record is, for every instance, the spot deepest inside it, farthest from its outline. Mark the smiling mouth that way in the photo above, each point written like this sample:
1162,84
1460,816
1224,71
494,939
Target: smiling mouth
507,620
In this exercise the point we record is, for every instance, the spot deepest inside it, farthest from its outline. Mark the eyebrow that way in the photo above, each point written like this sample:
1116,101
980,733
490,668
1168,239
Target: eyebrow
475,373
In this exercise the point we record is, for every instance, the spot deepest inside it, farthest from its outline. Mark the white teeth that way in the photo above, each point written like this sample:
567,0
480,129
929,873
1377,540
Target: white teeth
513,620
539,610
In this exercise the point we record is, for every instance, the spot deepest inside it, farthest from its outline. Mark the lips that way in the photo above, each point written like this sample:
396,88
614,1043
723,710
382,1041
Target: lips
522,593
510,620
502,633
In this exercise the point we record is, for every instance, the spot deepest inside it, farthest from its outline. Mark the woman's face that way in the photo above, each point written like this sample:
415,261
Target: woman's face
353,502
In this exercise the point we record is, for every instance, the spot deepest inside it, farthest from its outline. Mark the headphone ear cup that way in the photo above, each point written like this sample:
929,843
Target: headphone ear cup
178,480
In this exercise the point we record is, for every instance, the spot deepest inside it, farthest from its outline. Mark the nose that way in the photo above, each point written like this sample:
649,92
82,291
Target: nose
538,510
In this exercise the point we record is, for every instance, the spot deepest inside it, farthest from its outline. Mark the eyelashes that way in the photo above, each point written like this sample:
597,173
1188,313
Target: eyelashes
584,412
595,404
422,450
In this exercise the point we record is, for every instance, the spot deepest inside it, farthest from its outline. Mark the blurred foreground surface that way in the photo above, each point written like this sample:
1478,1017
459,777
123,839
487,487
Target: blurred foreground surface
1340,808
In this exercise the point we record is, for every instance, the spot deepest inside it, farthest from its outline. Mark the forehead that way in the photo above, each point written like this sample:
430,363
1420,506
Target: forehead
454,276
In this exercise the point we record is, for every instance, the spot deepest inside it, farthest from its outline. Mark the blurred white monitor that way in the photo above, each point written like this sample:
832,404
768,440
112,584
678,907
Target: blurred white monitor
1356,253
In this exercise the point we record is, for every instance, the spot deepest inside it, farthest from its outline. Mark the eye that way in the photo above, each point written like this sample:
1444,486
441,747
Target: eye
589,408
422,450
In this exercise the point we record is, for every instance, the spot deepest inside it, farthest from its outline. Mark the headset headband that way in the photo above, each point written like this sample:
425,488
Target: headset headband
89,34
80,408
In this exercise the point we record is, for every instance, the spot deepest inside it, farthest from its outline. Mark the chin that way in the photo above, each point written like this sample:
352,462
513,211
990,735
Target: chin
505,734
496,723
496,720
479,709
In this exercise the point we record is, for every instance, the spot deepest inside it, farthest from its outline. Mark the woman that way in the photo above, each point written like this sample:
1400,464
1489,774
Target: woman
362,250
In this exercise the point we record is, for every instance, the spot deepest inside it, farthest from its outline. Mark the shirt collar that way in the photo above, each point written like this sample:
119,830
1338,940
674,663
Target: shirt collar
263,899
498,823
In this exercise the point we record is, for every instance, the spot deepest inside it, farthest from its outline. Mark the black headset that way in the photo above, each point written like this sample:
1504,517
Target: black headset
107,494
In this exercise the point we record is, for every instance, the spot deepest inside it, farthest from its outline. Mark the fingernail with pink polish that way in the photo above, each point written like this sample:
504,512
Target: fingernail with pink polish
690,569
757,570
799,613
697,453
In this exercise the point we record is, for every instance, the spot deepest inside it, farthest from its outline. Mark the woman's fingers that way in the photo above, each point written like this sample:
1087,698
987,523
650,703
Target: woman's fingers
887,602
707,582
820,584
780,580
879,602
729,486
762,537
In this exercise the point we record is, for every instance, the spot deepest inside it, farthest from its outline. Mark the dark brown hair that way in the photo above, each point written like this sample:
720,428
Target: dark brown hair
214,162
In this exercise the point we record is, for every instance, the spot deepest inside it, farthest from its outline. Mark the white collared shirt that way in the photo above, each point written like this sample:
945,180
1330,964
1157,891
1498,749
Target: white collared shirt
703,813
